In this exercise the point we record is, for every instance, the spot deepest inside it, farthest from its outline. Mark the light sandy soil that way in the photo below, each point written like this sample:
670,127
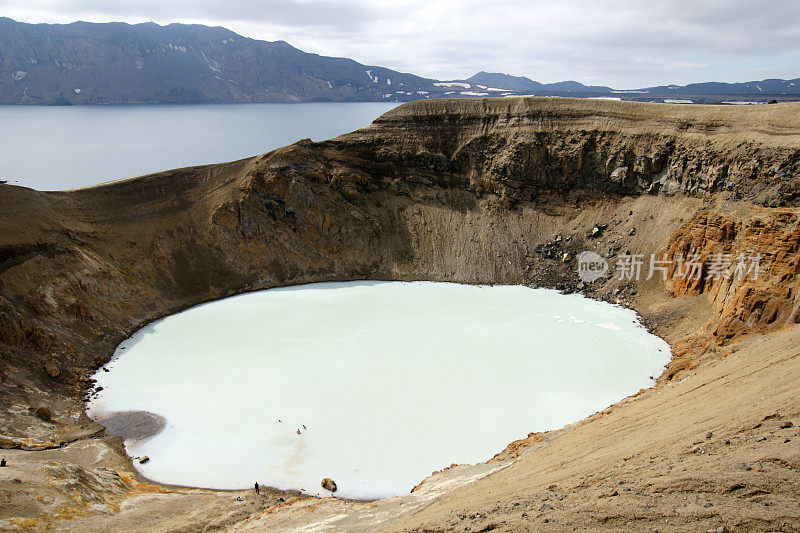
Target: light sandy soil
89,485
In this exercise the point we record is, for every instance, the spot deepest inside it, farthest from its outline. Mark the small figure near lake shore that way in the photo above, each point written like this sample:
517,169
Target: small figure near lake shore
256,486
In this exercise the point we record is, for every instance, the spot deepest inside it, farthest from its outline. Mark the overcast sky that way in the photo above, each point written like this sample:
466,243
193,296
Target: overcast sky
622,43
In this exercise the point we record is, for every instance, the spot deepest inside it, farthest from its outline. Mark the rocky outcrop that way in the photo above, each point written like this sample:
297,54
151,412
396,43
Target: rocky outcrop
745,262
514,148
748,268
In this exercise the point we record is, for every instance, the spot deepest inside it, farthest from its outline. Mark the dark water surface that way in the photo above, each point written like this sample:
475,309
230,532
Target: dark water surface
51,148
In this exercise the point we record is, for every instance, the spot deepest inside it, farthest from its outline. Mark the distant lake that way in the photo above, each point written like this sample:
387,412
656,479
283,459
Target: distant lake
50,148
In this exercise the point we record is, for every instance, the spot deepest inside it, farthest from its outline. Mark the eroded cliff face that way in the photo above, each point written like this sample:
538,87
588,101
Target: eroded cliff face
510,146
475,191
744,261
746,294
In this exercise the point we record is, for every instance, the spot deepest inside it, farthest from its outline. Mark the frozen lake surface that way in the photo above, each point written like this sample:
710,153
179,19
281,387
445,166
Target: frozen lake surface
386,381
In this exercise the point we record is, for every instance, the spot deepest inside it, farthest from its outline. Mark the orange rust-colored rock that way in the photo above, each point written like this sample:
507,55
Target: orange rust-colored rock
763,296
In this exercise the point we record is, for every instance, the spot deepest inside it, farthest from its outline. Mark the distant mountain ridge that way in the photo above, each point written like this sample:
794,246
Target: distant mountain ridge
87,63
521,83
770,87
119,63
750,88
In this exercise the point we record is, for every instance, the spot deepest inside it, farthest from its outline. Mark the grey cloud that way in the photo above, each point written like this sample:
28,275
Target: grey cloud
342,15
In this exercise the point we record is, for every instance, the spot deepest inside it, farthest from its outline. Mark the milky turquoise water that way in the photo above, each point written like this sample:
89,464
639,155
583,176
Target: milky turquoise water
391,380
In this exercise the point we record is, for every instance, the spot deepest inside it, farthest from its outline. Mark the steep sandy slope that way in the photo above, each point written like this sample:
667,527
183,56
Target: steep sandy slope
476,191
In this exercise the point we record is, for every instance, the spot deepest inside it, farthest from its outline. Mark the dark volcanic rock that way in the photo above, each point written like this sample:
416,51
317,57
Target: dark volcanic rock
328,484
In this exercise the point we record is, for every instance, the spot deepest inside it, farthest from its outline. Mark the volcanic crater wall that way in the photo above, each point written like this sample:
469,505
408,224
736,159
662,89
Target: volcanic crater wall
478,191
